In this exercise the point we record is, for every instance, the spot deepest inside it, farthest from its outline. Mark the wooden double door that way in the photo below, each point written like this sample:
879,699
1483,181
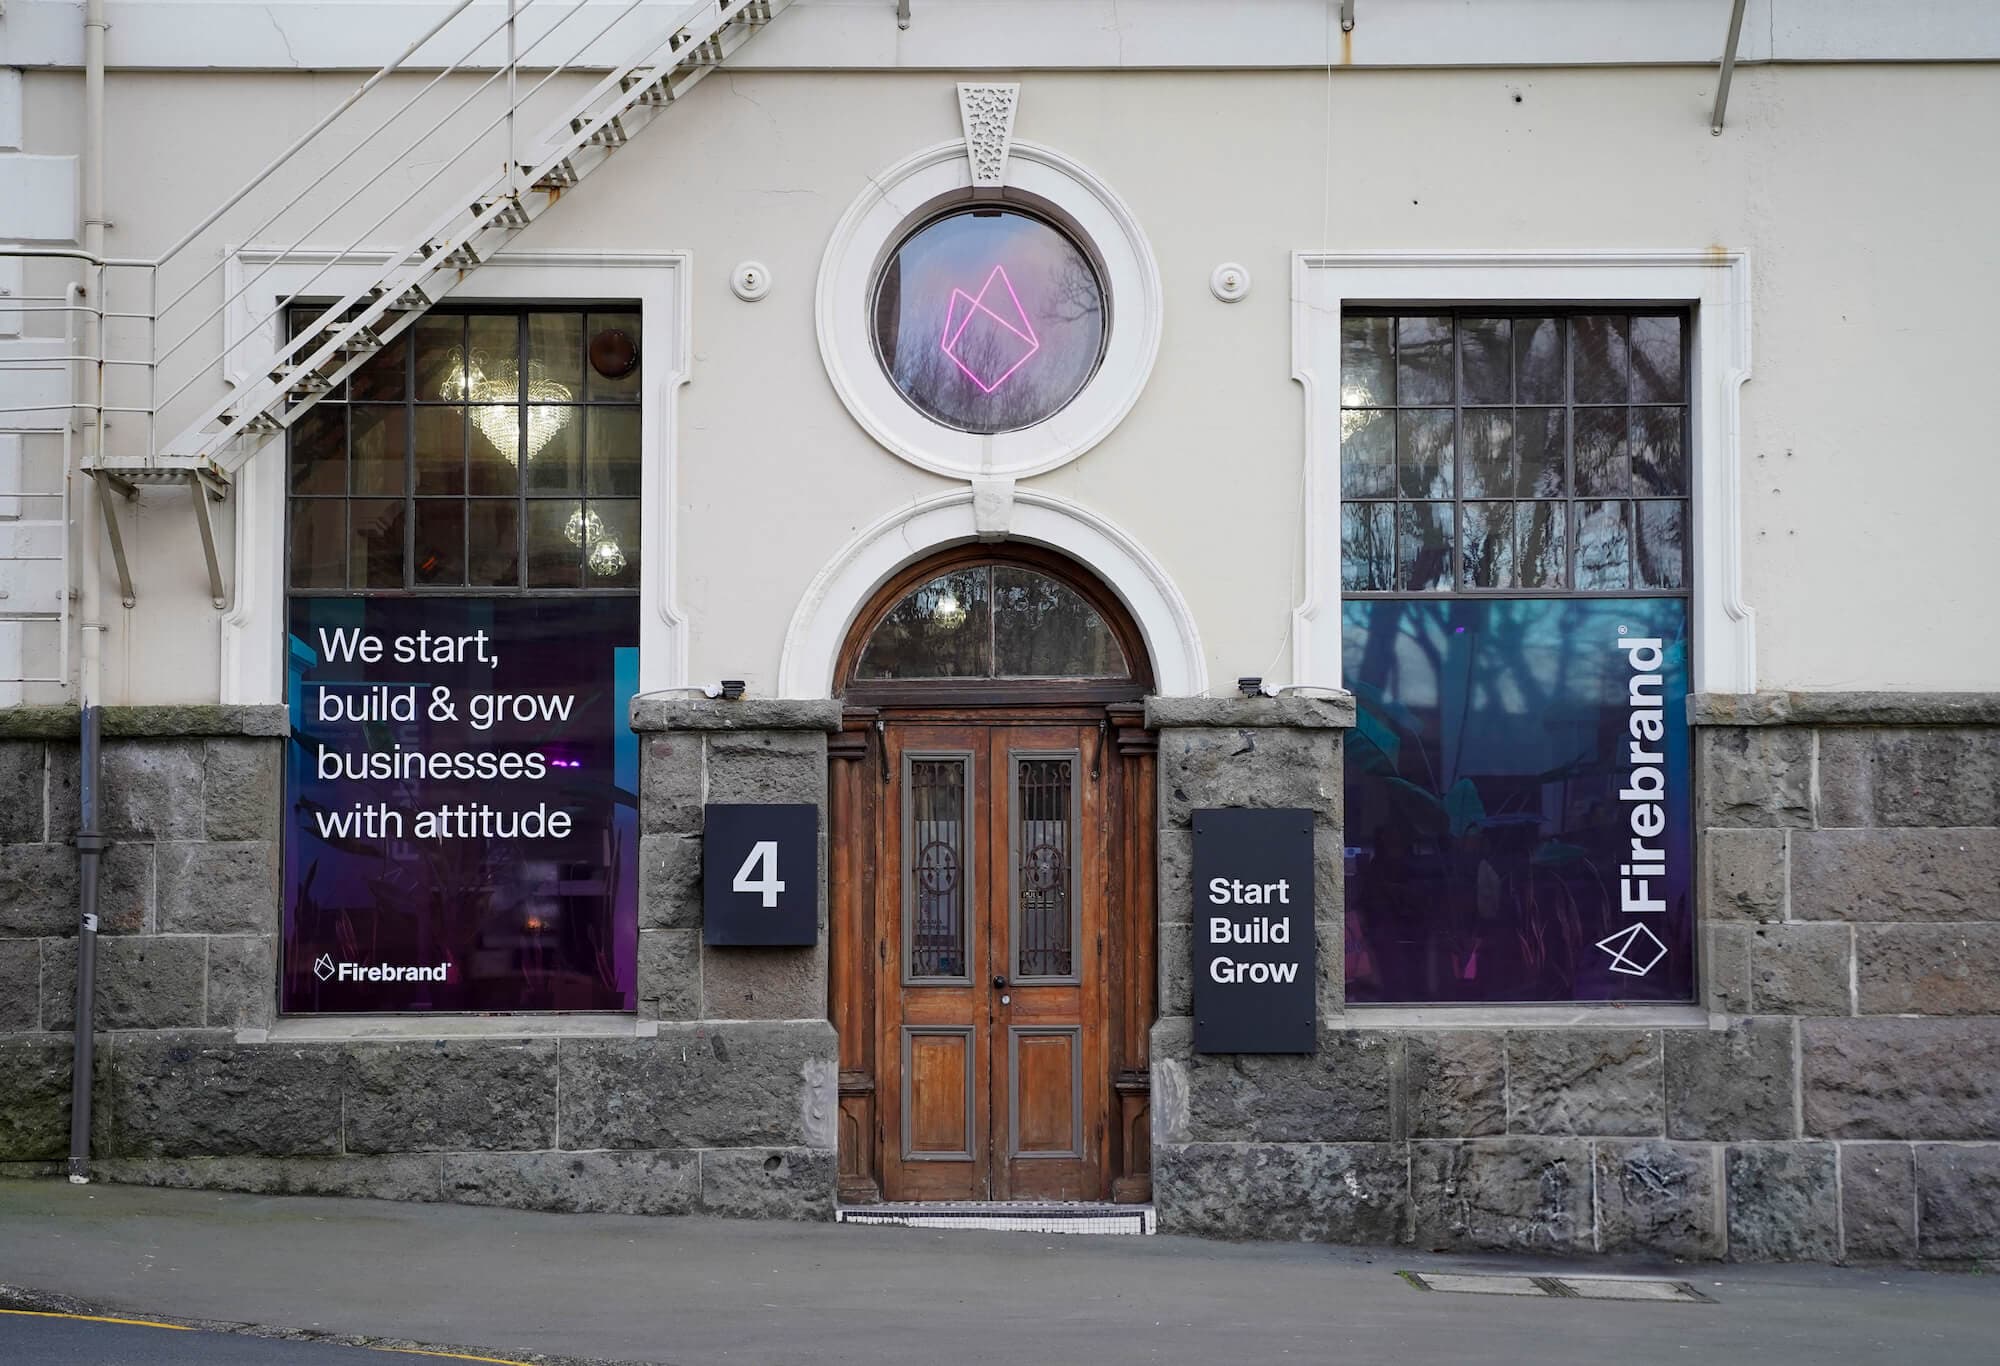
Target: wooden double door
991,943
992,928
990,879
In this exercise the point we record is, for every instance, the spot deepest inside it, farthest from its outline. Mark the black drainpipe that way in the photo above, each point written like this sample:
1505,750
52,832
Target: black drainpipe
90,847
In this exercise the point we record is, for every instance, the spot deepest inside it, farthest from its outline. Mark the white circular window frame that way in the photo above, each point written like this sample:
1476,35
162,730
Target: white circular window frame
1037,180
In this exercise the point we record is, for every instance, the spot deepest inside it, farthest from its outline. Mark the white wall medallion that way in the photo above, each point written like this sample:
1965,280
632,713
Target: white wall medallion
1229,282
1035,181
987,111
750,281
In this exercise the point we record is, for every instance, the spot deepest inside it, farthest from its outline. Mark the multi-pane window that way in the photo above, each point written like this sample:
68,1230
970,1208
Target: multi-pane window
481,451
1514,451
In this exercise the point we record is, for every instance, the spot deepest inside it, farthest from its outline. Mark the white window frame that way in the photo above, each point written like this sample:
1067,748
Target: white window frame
899,198
1714,284
253,629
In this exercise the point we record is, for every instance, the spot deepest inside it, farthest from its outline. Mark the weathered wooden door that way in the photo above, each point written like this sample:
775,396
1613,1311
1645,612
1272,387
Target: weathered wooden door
991,904
990,872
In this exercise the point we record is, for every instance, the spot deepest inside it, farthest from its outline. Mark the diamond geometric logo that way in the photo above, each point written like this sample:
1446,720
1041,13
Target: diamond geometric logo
1000,326
323,966
1626,951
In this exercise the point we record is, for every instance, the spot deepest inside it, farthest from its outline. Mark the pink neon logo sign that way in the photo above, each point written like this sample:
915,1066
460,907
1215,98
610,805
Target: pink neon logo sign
1018,333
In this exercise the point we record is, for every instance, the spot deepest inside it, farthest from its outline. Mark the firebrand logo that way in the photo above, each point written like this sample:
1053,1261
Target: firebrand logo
326,970
1627,952
1641,882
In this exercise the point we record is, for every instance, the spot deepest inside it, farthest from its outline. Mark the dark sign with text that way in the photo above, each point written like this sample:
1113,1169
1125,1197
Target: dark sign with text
460,794
1254,960
760,873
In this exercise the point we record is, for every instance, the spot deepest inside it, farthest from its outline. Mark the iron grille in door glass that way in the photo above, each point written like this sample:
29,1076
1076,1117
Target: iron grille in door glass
936,842
1044,789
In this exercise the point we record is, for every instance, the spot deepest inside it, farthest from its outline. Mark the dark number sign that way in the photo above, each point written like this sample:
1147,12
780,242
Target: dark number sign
760,874
1254,961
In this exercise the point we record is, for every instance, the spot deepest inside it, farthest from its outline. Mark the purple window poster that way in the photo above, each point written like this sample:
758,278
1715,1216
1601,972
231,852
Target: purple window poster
1518,800
460,792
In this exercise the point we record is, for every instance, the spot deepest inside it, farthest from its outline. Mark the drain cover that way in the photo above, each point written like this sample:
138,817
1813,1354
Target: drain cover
1557,1287
1478,1285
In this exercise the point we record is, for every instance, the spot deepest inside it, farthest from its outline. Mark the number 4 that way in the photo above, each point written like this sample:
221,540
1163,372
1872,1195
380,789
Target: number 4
764,853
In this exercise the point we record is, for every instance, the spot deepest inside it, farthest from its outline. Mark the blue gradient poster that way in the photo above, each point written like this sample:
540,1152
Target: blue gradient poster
462,817
1519,800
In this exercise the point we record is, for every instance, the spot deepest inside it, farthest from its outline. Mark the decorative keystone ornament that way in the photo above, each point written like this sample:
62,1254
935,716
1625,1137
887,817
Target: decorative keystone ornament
987,112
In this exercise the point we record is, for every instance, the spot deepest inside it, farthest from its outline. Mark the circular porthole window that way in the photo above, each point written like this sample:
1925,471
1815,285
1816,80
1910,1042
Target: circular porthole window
989,320
988,333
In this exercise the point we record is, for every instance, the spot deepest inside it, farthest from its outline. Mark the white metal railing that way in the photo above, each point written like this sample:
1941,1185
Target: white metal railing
21,590
130,326
292,347
148,339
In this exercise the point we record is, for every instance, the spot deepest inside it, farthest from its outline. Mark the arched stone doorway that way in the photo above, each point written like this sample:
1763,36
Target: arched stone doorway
991,885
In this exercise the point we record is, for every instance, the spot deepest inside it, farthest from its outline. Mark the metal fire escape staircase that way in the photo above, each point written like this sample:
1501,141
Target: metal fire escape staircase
659,69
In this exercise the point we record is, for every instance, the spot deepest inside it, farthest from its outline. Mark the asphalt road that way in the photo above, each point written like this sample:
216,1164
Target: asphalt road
64,1340
690,1292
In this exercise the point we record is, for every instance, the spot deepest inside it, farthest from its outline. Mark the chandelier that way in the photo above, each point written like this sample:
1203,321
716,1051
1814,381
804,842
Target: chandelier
605,557
469,382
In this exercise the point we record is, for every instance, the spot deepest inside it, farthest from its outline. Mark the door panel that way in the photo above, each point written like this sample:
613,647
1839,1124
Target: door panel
939,1094
1045,1107
991,931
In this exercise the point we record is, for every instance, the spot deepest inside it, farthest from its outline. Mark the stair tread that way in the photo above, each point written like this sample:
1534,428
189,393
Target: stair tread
343,342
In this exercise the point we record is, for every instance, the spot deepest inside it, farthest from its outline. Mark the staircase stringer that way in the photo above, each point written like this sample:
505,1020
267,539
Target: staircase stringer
301,371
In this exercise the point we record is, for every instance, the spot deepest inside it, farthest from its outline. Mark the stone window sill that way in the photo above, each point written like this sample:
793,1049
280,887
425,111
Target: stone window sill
1525,1017
348,1028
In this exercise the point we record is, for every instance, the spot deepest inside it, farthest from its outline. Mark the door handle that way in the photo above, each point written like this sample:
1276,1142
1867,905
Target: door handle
999,982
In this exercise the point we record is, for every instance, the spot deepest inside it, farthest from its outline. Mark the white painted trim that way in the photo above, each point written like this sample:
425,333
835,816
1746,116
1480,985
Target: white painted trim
10,110
921,184
976,35
837,594
253,629
1716,283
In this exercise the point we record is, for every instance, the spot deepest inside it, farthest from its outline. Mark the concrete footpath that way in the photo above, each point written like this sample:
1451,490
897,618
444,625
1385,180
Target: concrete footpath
611,1288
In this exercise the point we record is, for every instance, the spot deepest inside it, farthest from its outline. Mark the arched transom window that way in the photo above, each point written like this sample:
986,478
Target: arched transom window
992,621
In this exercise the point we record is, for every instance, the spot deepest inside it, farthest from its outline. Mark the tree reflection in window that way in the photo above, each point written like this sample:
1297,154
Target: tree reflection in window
989,320
992,621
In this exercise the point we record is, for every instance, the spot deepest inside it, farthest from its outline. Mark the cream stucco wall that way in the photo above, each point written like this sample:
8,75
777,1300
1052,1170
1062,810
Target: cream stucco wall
1869,460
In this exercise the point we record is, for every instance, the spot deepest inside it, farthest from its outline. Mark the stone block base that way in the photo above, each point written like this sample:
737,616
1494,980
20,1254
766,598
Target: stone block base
735,1183
1746,1202
729,1118
1301,1192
